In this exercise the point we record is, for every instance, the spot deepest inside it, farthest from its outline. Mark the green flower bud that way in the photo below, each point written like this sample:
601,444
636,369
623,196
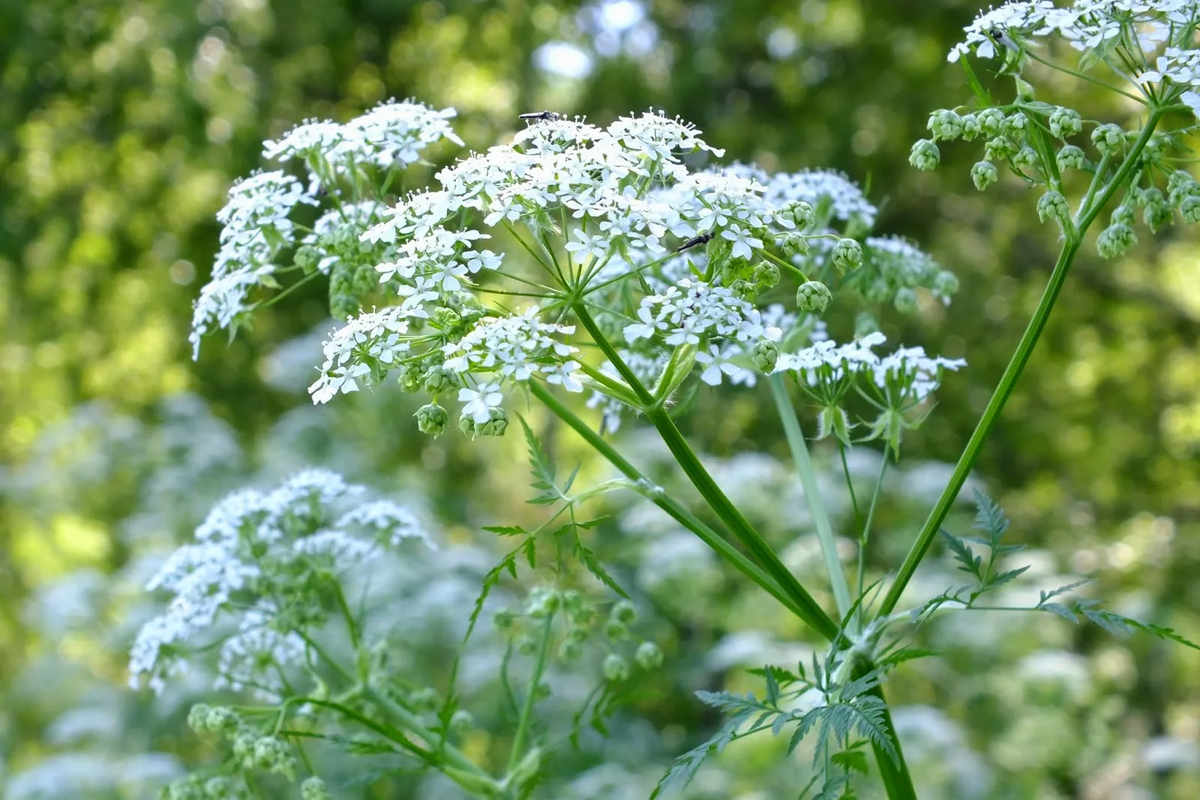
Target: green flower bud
1065,122
1190,208
847,255
864,325
999,148
800,214
1115,240
1122,215
541,603
496,425
432,419
648,656
624,612
1016,124
577,633
1157,217
945,124
221,787
504,619
991,121
924,155
1108,138
794,244
1181,184
197,718
945,284
765,276
542,691
307,257
1052,205
571,600
813,296
582,615
1070,157
272,755
570,650
243,745
527,645
314,789
984,174
446,319
971,127
439,379
743,289
615,630
616,668
461,721
410,378
905,300
1025,158
765,354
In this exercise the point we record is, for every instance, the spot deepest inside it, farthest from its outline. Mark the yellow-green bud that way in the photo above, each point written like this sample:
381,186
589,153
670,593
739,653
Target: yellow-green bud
432,419
765,355
624,612
813,296
1070,157
1115,240
1108,138
314,789
1065,122
847,255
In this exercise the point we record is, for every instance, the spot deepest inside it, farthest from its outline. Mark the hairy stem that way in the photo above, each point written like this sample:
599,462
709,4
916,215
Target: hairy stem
812,494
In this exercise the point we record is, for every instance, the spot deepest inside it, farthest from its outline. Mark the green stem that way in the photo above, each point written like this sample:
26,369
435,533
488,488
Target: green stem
526,718
805,606
670,506
808,479
866,531
896,779
1088,211
808,609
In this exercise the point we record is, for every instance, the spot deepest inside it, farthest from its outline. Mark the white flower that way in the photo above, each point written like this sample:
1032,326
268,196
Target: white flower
477,403
593,245
717,362
564,374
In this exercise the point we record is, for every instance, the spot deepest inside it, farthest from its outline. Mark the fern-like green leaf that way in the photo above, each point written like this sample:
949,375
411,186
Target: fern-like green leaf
541,467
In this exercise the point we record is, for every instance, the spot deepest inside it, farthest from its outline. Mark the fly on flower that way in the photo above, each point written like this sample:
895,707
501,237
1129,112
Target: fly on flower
696,241
541,116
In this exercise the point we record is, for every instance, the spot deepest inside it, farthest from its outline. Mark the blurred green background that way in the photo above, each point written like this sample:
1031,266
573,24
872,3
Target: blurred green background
122,125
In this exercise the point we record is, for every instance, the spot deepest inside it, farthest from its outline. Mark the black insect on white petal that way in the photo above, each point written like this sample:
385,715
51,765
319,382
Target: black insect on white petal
698,240
541,116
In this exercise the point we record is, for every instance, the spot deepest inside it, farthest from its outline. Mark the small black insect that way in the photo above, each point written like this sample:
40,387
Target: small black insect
696,241
541,116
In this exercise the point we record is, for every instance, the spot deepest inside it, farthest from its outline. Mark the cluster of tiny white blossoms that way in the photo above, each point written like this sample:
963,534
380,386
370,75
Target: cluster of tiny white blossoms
606,226
256,555
1160,33
258,224
894,384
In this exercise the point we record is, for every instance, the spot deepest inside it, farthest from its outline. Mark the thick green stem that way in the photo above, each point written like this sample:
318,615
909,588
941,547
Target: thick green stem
812,494
672,508
807,608
896,779
1090,207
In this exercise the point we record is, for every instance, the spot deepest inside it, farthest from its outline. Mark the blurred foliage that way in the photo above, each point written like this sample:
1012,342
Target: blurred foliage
124,121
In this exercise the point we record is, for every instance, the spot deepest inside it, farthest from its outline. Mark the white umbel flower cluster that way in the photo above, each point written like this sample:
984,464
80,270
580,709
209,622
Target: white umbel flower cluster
1161,55
257,219
257,553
